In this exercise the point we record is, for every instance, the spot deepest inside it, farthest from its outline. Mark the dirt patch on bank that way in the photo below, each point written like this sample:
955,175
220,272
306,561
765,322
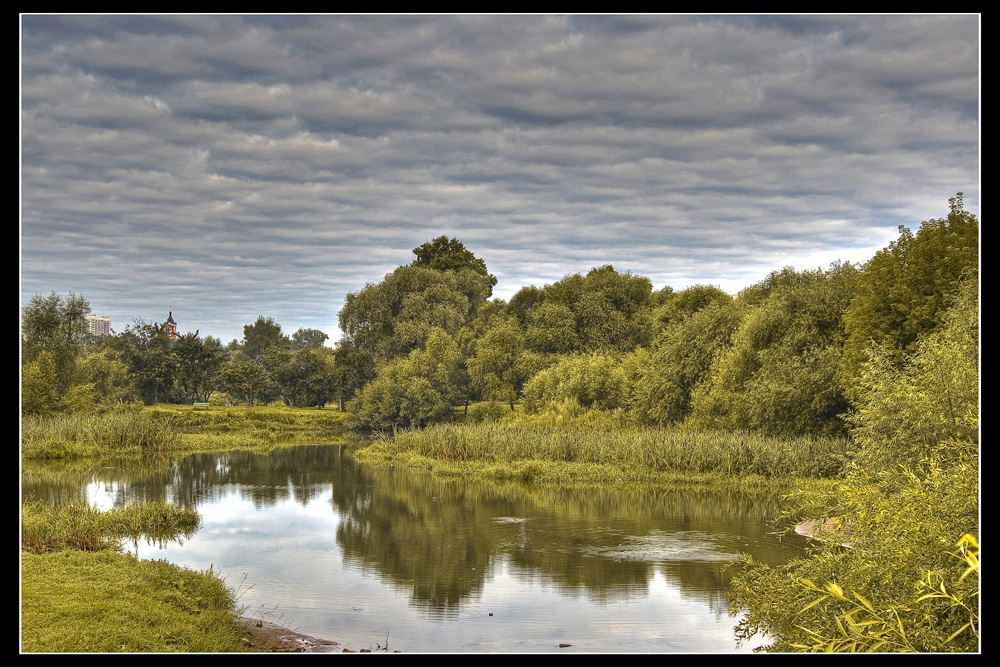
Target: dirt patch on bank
272,638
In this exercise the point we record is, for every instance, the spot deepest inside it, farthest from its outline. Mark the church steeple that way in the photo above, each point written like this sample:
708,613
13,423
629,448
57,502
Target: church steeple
170,325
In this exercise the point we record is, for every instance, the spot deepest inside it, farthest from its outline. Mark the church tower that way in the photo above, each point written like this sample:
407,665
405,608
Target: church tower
170,326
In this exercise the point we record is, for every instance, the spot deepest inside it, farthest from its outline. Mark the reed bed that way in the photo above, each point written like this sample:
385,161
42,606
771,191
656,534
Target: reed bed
127,431
657,449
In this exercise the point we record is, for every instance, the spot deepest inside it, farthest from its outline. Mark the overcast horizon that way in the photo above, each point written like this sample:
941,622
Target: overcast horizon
235,166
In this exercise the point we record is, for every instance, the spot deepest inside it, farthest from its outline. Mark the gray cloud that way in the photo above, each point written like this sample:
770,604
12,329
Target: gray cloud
234,166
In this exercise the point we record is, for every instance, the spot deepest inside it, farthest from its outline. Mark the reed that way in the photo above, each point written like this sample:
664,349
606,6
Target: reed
608,441
126,431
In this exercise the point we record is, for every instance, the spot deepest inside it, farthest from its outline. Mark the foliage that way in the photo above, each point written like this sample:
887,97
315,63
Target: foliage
415,391
124,431
56,326
444,254
145,349
682,357
677,306
905,413
604,311
779,374
913,493
486,411
593,381
388,320
308,338
109,377
905,288
863,628
262,335
500,365
197,362
39,395
244,378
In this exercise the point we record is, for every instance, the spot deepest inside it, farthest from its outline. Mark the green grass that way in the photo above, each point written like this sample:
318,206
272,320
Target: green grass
80,593
106,601
79,526
605,447
127,431
162,429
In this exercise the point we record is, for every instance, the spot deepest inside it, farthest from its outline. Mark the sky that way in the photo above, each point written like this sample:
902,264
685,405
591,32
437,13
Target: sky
229,167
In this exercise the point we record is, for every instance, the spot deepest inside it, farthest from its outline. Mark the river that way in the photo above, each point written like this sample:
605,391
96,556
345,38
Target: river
370,557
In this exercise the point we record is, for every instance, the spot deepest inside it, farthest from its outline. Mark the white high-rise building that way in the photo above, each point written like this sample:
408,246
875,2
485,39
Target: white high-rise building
99,326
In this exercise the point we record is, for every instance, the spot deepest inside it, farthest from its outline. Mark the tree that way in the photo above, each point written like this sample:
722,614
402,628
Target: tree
679,305
681,358
551,328
906,287
444,254
308,338
147,351
390,319
197,362
909,504
261,335
243,378
58,327
109,376
497,369
38,385
779,374
604,311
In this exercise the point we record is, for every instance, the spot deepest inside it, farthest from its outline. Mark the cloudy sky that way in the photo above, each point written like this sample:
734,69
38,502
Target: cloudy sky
236,166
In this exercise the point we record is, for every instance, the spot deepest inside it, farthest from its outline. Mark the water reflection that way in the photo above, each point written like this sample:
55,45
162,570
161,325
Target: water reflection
341,546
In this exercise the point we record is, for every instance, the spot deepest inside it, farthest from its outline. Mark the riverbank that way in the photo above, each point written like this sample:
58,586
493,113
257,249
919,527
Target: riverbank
267,637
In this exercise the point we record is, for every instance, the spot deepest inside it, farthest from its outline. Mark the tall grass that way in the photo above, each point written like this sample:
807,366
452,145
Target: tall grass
607,441
130,431
80,526
125,431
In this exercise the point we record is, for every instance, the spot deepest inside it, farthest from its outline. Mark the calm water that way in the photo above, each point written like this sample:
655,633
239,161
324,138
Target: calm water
354,554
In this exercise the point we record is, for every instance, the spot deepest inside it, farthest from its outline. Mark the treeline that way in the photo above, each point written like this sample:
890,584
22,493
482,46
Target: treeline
785,356
64,369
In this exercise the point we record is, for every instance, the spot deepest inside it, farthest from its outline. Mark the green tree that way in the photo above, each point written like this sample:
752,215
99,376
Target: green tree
551,328
444,254
109,376
38,385
196,363
909,506
594,381
59,327
682,358
904,414
308,338
779,375
147,351
906,287
388,320
498,368
262,335
678,305
353,369
243,378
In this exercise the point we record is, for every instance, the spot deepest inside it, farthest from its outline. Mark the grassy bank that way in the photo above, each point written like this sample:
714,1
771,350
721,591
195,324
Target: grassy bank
133,431
602,445
80,593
